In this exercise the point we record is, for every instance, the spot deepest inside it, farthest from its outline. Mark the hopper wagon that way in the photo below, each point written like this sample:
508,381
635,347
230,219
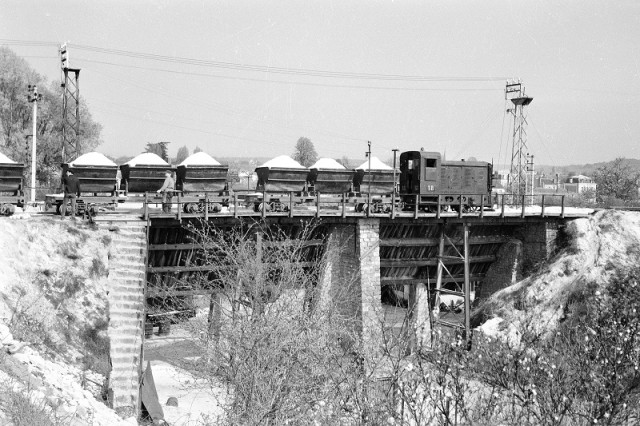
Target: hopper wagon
97,187
143,178
200,184
284,182
11,187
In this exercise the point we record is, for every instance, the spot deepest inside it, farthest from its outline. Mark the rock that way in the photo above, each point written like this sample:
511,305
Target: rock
172,401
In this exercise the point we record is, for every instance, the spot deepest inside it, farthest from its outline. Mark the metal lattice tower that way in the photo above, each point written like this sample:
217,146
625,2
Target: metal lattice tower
518,171
70,108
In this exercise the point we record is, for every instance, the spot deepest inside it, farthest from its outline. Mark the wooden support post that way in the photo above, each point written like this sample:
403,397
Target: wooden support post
179,208
344,205
467,288
393,198
502,208
264,203
481,206
438,208
562,210
215,312
290,203
146,206
460,207
436,303
318,204
522,213
542,212
235,204
417,206
206,207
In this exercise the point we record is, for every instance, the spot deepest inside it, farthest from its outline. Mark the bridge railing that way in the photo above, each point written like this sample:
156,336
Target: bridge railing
265,203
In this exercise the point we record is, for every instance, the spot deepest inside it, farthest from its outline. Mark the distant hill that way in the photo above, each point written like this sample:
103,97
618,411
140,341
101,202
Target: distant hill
585,169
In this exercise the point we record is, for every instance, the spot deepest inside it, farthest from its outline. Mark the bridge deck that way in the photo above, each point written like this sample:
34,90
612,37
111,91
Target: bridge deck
527,212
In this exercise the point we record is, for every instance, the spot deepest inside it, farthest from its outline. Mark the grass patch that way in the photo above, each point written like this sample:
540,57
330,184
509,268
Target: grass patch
23,410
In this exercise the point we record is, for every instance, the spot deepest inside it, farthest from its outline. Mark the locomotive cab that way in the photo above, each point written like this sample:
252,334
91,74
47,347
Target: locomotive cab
420,176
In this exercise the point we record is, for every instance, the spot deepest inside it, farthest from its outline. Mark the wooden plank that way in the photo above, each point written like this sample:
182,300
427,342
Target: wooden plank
401,263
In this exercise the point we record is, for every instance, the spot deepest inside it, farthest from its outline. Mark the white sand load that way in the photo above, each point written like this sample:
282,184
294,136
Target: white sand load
147,159
376,164
327,163
92,159
5,160
283,162
200,159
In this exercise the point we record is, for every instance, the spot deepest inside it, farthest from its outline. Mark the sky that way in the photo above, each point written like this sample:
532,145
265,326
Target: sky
248,78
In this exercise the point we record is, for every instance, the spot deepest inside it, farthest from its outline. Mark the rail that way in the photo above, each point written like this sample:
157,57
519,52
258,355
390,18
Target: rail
293,204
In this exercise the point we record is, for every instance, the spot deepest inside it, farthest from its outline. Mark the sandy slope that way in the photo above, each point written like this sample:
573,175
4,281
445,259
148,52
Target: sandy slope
53,290
598,247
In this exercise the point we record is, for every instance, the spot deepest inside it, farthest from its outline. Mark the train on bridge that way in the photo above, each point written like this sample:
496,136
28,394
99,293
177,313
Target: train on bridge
424,181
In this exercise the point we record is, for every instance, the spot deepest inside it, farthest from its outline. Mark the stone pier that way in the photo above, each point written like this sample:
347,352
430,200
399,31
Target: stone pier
127,266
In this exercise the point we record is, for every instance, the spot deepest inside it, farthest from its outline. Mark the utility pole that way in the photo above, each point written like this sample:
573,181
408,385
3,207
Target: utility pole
34,97
368,154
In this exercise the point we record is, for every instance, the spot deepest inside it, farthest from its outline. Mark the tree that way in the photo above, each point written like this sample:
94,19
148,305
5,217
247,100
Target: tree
182,155
617,180
16,119
198,149
158,148
345,162
305,153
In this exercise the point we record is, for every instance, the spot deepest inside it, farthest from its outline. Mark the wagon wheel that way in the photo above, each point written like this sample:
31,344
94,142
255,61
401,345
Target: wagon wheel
67,211
263,207
190,208
214,208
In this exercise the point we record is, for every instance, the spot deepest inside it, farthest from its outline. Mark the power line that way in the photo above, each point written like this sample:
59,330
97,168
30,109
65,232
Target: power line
301,83
260,68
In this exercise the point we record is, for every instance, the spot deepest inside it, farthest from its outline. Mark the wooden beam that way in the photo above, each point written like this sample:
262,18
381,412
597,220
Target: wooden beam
427,242
154,292
402,263
411,281
208,268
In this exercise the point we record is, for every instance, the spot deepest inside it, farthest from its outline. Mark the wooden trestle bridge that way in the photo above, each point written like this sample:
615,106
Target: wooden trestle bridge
458,253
